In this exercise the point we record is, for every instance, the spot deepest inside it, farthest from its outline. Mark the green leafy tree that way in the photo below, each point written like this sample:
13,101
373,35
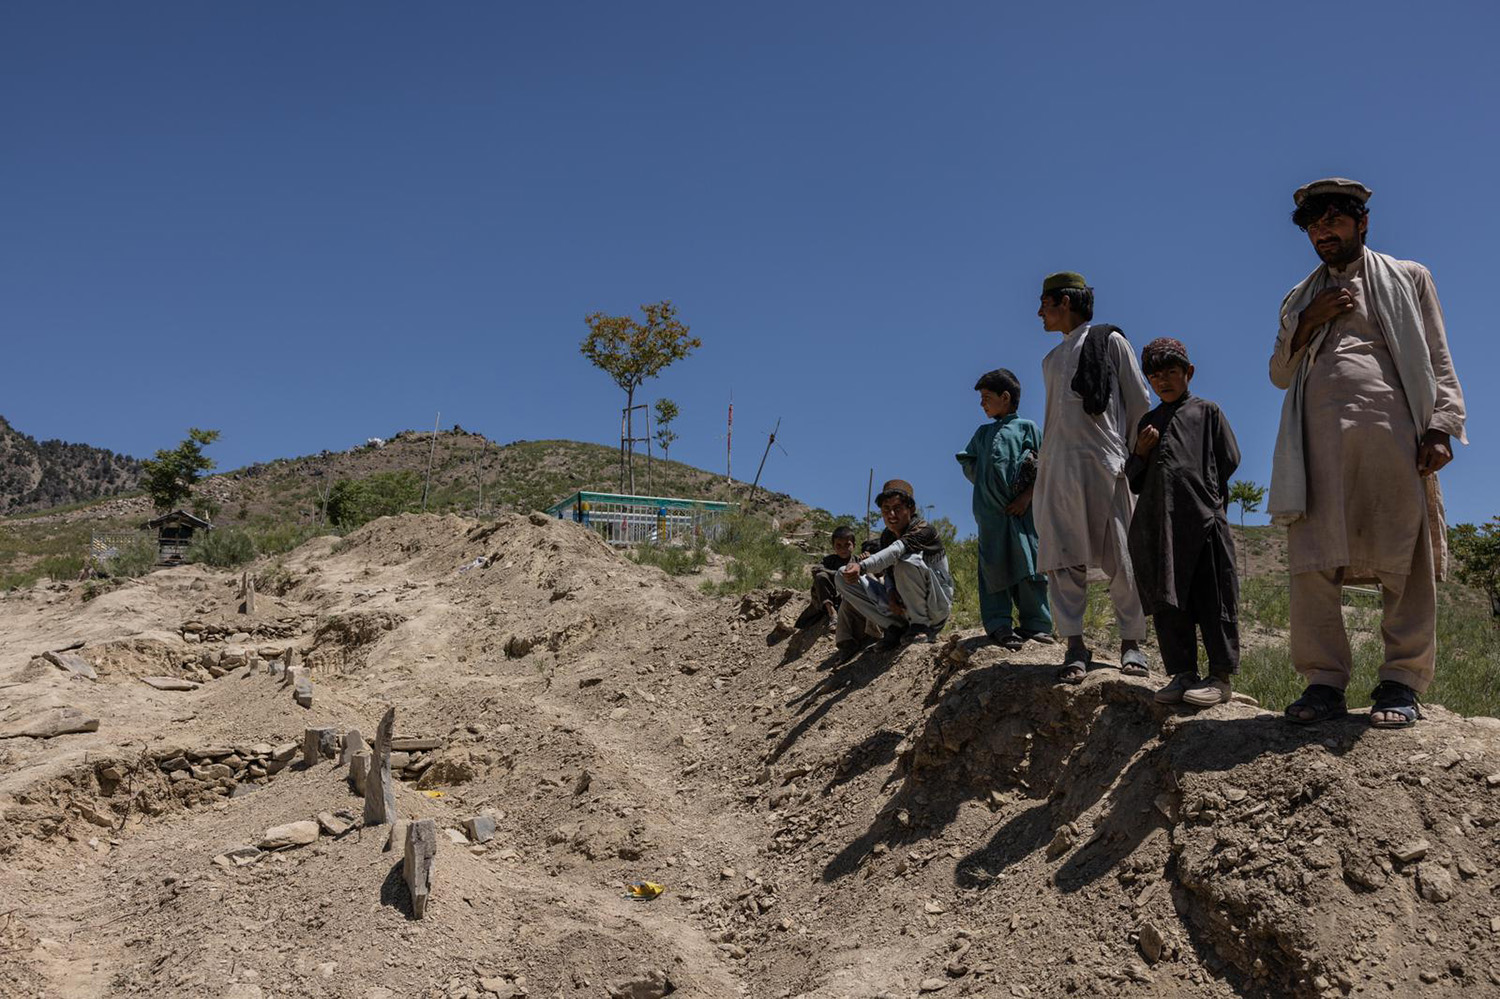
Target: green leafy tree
1477,552
631,352
666,412
352,502
1248,495
170,476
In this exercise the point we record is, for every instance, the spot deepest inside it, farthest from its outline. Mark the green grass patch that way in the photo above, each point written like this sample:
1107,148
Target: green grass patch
1467,677
674,560
1266,600
30,551
963,566
280,538
757,556
133,558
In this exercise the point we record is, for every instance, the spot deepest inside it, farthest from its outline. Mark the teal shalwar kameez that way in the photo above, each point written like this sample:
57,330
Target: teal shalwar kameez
1008,578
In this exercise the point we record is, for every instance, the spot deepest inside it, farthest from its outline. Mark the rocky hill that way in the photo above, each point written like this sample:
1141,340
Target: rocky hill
942,819
470,474
37,475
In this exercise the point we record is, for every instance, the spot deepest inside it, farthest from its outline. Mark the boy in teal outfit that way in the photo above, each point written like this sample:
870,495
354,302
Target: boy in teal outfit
1001,462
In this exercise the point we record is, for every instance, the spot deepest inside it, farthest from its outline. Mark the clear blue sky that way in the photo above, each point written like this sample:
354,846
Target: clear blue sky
306,224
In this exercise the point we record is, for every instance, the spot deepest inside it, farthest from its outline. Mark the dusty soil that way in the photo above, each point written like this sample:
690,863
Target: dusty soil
941,819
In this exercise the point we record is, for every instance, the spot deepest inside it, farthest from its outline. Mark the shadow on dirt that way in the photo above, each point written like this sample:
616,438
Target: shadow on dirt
394,893
824,695
1081,775
802,641
1011,729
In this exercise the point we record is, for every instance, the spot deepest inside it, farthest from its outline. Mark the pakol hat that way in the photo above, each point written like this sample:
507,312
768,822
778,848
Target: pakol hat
896,487
1162,350
1332,185
1063,279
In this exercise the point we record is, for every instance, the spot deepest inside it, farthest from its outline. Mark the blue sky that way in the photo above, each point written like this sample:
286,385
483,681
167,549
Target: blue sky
307,224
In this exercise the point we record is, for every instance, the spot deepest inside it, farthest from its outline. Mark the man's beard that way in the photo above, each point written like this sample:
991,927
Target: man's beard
1343,255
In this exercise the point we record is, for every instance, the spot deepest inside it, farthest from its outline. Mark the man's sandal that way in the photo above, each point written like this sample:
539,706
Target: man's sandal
1133,663
1007,640
1075,667
1326,703
1395,698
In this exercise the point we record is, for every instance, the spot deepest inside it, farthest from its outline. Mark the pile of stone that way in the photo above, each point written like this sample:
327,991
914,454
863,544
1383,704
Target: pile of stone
243,630
203,773
410,755
288,836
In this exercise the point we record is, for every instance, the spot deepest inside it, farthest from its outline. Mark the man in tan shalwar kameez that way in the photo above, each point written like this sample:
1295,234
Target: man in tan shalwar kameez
1373,403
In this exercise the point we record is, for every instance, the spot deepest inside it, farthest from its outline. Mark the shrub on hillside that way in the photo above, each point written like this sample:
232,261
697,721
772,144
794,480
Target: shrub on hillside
674,560
133,558
61,567
757,555
224,548
277,539
353,502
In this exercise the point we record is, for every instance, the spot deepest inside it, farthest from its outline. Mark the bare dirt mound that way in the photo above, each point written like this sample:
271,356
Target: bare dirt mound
942,819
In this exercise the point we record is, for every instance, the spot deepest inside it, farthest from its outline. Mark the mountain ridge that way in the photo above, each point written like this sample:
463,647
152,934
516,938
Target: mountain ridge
38,475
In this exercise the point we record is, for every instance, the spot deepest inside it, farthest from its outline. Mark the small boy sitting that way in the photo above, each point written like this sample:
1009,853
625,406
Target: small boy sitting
1180,544
825,594
852,632
913,566
1001,462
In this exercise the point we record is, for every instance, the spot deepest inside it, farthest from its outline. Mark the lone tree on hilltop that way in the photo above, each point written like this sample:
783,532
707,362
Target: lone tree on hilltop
630,352
171,475
1248,495
666,412
1477,552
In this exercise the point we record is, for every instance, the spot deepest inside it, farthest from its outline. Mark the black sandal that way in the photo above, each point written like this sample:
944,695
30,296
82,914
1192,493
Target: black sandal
1008,640
1326,703
1394,697
1075,667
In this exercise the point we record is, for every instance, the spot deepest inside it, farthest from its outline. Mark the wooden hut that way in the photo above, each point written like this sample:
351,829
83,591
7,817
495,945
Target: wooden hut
174,532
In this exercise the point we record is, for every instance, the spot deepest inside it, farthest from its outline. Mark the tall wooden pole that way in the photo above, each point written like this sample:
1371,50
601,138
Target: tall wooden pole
432,451
869,492
771,440
622,449
650,479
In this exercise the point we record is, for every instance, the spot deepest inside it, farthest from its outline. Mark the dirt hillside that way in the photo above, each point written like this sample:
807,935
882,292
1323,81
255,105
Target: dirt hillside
943,819
469,473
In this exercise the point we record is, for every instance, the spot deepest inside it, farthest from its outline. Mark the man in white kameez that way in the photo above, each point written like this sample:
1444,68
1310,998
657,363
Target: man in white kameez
1371,407
1095,397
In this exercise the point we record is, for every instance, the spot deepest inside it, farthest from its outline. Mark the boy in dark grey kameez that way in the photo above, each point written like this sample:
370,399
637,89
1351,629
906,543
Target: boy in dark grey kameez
1180,544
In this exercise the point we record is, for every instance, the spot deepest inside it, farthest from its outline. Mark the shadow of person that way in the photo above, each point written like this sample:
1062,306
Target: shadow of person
803,640
1131,761
1102,751
826,692
875,750
1075,768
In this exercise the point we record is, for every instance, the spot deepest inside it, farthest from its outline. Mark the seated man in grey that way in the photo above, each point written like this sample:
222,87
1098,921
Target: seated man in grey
912,565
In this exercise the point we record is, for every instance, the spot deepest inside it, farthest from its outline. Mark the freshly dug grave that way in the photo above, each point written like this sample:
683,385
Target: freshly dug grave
944,819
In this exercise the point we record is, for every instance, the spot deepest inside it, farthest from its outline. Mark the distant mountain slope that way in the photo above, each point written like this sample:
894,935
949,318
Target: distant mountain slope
522,476
35,476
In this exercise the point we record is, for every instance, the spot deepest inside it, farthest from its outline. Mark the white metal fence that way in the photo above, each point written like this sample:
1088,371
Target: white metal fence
633,520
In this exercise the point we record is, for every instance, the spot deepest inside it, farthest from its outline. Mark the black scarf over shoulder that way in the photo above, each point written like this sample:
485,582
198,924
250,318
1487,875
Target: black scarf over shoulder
1096,370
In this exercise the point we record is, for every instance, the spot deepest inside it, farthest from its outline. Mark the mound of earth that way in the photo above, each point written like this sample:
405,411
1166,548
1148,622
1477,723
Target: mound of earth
941,819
